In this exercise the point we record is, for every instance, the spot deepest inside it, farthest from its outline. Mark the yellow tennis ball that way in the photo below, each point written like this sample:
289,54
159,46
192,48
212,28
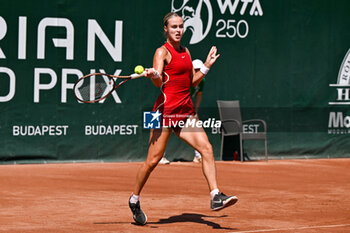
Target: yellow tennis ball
139,69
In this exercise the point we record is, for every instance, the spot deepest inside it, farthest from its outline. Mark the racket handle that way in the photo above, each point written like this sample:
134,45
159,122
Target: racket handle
143,74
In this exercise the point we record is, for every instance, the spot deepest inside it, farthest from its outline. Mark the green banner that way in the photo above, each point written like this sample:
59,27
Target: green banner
286,61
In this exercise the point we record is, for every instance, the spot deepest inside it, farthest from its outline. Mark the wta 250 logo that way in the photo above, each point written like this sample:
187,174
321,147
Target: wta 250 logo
198,17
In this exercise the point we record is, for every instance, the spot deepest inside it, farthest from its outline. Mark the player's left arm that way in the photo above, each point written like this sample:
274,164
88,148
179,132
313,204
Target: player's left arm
211,59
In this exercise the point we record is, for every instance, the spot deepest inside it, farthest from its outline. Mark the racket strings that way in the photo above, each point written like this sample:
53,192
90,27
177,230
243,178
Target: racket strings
94,87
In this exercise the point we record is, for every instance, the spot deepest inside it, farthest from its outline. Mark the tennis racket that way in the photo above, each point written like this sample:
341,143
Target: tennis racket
97,86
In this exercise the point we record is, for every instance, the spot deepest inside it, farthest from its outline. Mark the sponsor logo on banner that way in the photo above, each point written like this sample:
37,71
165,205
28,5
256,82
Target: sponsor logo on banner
199,17
105,130
339,122
47,79
39,130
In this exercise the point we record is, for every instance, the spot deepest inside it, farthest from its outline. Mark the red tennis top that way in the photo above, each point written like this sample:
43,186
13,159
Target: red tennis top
175,102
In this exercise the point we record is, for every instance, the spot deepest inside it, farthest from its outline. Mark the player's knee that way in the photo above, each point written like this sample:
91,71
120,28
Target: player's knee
153,162
206,149
151,165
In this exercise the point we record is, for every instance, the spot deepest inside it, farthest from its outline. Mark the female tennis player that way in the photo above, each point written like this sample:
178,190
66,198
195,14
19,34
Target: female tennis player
173,72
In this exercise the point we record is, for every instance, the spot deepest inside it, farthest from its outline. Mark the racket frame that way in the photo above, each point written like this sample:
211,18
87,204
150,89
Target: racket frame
113,78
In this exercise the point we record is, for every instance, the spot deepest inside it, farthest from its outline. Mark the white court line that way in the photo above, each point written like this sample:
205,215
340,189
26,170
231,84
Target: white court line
294,228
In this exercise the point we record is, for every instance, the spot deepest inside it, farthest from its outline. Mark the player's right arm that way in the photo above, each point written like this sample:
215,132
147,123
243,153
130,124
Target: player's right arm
159,60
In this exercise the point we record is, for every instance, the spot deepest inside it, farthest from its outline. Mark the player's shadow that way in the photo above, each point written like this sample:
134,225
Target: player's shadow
193,218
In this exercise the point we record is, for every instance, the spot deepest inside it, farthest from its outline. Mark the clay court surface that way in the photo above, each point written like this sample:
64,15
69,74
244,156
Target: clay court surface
278,196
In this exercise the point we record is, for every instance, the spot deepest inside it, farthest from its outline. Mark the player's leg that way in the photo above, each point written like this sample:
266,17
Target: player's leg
157,144
197,138
197,156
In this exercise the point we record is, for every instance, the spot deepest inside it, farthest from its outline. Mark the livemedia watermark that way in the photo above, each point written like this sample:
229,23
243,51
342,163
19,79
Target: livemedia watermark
156,120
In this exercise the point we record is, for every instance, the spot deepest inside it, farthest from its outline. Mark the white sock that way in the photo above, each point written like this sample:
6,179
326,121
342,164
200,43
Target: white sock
134,199
213,193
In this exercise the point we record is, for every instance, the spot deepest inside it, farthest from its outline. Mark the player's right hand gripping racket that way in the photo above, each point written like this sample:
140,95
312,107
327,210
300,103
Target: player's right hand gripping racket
97,86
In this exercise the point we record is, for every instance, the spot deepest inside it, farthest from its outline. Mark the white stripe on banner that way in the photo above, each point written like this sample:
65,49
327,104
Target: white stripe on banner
293,228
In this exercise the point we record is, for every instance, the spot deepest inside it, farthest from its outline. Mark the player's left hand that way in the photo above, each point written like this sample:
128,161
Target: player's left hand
212,56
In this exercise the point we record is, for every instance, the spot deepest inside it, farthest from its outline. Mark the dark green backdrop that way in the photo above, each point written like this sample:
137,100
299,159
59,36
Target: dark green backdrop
280,58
